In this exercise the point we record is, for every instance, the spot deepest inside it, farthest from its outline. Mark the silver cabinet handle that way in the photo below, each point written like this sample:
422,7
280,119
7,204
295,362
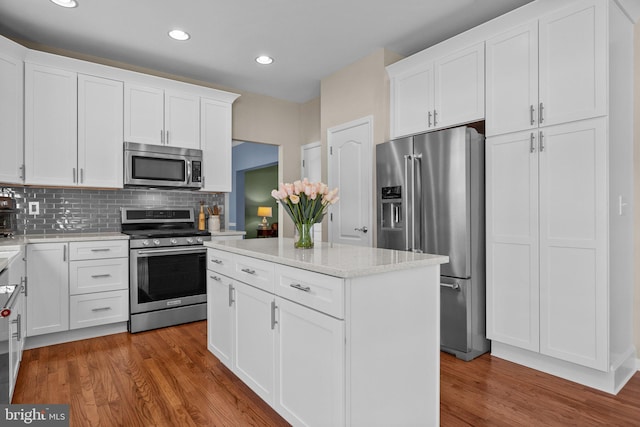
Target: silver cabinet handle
161,136
100,309
531,113
100,250
300,287
248,271
19,331
541,142
74,175
167,137
435,118
231,300
273,315
429,121
364,229
216,278
64,253
81,175
97,276
216,261
532,147
540,116
455,286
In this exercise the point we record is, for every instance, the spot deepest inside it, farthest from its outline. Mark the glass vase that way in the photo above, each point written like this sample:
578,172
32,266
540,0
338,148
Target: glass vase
303,236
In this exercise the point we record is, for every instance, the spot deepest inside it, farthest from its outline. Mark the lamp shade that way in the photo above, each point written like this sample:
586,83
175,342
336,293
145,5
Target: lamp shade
264,211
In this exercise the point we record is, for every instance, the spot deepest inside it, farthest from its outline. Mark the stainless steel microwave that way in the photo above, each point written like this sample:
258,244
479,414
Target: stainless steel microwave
157,166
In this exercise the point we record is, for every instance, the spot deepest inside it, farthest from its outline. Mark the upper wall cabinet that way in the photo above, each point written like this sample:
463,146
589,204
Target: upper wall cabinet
156,116
11,111
215,141
50,129
73,128
549,71
438,94
100,131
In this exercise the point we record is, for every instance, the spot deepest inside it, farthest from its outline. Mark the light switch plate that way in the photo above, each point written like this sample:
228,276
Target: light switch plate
34,208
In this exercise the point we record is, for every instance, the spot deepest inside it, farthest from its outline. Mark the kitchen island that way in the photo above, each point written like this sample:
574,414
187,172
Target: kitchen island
334,335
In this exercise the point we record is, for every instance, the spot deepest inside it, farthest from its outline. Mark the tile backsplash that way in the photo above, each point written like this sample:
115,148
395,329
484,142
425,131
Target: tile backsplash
74,210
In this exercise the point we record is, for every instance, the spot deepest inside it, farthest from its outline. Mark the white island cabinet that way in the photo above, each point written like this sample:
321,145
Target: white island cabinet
337,335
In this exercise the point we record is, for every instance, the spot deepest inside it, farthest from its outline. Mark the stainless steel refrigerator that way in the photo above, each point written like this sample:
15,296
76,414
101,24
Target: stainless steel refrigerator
430,198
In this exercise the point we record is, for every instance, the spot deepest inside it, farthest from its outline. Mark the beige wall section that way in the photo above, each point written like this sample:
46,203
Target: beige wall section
636,181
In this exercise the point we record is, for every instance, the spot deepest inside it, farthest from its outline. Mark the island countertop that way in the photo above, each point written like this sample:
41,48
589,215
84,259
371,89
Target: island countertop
333,259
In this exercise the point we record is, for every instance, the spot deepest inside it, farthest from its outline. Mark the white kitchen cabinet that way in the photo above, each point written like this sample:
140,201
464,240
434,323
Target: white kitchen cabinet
512,80
220,317
310,357
153,115
547,282
73,128
573,243
50,128
323,330
412,101
215,142
438,94
549,71
98,283
254,339
512,239
559,218
48,288
100,132
11,111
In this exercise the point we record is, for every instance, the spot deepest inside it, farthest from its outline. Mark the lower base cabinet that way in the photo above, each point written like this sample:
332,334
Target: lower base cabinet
310,352
325,350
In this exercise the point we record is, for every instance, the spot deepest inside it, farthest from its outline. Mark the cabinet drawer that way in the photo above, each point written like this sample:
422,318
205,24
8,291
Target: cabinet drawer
99,249
99,308
98,275
254,272
318,291
220,261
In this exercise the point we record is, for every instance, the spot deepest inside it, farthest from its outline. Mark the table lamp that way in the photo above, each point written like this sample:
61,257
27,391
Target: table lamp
264,212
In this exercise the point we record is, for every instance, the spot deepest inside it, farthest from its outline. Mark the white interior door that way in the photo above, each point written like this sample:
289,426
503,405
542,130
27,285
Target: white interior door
350,146
311,156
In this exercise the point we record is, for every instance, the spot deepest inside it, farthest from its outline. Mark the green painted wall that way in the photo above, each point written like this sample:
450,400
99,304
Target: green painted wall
258,184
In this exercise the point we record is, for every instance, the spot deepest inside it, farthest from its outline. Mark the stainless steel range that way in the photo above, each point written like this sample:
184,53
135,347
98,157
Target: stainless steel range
167,274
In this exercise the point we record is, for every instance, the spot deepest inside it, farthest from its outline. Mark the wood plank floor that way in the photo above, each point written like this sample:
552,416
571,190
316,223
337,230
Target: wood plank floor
167,377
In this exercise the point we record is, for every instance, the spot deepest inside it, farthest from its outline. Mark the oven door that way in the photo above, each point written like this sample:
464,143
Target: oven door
167,277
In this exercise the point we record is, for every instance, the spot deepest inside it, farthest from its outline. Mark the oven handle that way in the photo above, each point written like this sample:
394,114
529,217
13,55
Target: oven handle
173,251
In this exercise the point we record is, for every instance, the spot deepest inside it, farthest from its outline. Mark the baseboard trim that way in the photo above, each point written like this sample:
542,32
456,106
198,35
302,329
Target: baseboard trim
74,335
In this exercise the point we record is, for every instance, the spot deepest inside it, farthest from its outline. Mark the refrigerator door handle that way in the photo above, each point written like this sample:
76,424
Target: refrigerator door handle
406,211
416,160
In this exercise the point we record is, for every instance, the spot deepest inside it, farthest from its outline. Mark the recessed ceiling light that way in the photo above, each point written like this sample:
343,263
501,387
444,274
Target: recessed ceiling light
264,60
179,35
65,3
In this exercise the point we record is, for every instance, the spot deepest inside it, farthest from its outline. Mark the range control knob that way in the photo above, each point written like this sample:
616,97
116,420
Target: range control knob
145,243
190,240
199,239
173,241
156,242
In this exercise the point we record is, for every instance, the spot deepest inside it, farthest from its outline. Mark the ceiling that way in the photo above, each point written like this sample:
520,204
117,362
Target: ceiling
309,39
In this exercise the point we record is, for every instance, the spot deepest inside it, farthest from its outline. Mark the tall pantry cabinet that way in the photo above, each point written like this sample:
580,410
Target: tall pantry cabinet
559,182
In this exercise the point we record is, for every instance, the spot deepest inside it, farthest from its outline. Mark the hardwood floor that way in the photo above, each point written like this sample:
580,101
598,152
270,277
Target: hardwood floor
167,377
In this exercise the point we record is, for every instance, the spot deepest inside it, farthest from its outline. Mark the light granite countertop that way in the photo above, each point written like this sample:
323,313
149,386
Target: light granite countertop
10,246
332,259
